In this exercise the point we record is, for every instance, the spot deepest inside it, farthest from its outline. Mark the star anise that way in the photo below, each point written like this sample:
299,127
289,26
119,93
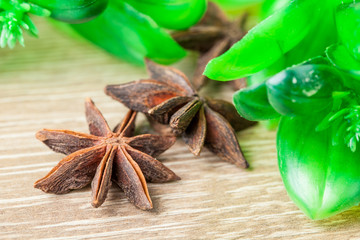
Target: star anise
169,98
104,155
212,36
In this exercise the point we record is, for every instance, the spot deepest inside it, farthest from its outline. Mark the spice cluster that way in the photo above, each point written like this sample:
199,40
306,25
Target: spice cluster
108,156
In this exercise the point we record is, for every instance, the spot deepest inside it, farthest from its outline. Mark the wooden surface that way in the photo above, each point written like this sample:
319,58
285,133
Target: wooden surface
45,84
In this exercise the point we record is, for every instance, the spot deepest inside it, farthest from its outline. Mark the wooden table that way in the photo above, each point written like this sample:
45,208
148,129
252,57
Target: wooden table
44,86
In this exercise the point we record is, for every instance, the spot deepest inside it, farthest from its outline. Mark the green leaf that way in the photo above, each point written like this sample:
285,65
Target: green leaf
303,90
172,14
320,178
236,4
252,103
348,23
130,35
271,6
285,34
72,11
266,42
341,58
316,41
266,73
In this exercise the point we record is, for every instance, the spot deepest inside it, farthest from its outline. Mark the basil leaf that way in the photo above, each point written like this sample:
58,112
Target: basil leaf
172,14
234,4
130,35
266,42
286,33
303,90
320,178
315,42
271,6
252,103
268,72
341,58
348,23
73,11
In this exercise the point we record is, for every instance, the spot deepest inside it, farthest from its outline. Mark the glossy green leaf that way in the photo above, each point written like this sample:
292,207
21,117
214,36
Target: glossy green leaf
320,178
340,57
252,103
172,14
317,40
348,24
266,73
267,42
315,43
303,90
73,11
130,35
236,4
271,6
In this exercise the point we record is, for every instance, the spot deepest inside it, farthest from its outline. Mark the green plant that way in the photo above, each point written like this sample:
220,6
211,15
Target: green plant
317,99
128,29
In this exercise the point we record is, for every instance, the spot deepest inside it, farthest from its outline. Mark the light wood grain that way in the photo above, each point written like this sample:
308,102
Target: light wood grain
45,84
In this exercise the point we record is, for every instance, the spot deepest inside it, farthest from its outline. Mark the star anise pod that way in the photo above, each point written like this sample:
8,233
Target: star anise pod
212,36
105,156
169,98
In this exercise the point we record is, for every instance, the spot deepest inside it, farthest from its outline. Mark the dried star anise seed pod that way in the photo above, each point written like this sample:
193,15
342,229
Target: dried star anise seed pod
105,156
169,98
212,36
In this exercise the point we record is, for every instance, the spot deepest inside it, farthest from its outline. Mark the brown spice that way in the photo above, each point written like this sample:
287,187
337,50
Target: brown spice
169,98
105,155
212,36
